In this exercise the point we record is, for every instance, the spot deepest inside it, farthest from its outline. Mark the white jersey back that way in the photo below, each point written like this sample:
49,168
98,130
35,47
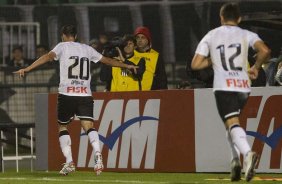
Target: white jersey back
75,61
228,48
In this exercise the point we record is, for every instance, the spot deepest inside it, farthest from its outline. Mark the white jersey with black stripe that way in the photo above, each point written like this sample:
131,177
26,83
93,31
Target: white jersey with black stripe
228,48
75,61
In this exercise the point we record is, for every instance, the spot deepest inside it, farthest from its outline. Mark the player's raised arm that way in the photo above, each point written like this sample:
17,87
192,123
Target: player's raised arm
116,63
40,61
263,54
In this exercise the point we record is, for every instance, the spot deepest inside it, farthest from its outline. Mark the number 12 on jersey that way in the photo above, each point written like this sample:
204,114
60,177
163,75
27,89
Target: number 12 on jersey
231,58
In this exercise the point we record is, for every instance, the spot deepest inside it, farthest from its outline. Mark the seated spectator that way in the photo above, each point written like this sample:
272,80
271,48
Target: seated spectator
99,43
121,79
18,59
103,39
41,50
94,43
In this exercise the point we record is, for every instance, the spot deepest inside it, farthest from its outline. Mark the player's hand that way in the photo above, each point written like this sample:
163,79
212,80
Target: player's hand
132,68
253,73
21,72
120,57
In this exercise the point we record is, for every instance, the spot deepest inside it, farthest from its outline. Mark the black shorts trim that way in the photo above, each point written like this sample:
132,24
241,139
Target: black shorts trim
229,104
64,122
231,115
70,106
85,118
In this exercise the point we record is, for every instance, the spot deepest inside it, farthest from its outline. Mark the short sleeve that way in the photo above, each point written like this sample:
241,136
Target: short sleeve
58,50
203,46
253,38
94,55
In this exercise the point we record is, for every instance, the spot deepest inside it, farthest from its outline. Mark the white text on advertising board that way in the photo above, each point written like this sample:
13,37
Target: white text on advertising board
137,130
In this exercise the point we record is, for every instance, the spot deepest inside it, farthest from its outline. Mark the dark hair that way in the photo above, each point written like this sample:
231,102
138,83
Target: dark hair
20,48
129,37
69,30
42,46
230,12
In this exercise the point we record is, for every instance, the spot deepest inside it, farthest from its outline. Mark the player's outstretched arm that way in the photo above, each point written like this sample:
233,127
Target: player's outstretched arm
40,61
263,54
200,62
116,63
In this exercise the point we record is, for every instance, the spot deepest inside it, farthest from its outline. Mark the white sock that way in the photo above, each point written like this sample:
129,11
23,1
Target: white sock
239,138
65,143
235,153
94,140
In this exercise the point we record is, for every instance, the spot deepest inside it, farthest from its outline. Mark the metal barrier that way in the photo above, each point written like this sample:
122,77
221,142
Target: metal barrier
18,33
4,128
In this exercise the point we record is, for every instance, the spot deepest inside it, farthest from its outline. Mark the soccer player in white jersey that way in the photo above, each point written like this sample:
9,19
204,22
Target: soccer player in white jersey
75,96
226,49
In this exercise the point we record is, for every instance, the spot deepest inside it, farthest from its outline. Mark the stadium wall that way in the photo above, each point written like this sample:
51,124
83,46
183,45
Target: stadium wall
164,131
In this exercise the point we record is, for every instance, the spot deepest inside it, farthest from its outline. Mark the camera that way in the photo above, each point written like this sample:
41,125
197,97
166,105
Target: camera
110,47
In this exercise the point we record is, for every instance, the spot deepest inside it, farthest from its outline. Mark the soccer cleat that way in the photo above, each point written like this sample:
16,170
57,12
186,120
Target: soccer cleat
235,170
251,161
98,163
67,168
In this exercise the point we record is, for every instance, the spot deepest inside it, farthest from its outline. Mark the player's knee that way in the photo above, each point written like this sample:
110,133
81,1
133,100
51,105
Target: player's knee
230,122
62,127
86,125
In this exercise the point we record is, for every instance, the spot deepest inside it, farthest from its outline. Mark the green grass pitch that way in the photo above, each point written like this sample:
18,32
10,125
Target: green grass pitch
83,177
